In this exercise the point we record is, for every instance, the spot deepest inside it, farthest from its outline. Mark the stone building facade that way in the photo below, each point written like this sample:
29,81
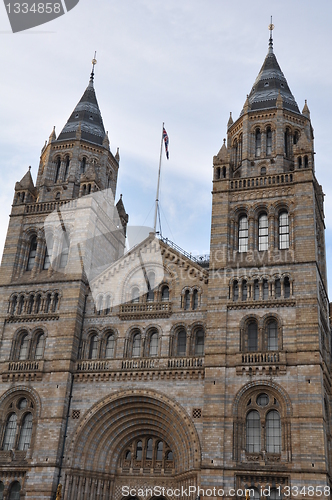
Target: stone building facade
150,368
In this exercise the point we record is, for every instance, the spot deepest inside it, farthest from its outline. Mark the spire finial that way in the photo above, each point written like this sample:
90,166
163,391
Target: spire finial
271,28
94,62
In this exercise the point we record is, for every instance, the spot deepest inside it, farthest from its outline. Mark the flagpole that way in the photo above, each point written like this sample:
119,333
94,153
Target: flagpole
157,196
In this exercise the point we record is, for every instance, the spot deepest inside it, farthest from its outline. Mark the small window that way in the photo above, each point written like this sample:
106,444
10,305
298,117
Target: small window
93,350
258,140
283,231
273,432
151,285
23,353
182,343
57,169
244,290
263,170
187,300
65,250
67,167
253,426
139,450
199,343
256,290
20,305
153,351
169,455
165,293
37,304
235,291
57,196
243,234
306,162
262,400
299,162
266,84
2,487
268,142
160,447
277,287
108,304
10,432
265,289
40,347
149,449
296,137
272,336
263,233
128,455
286,142
22,404
252,337
286,287
110,344
15,491
26,431
83,165
55,302
195,299
48,253
47,302
32,253
136,348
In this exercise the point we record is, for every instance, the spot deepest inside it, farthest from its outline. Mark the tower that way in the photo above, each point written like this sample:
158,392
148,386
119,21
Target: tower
267,355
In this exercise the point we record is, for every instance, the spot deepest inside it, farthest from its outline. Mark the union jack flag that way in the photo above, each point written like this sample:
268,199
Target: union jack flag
166,140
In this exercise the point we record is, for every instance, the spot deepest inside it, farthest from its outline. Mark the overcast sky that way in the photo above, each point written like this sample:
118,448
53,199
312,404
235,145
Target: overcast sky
185,62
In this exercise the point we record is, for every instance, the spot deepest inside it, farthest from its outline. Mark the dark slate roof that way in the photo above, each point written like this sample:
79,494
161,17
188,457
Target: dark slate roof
268,83
86,114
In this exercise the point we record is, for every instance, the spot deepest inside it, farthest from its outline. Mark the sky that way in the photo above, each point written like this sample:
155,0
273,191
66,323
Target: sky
187,63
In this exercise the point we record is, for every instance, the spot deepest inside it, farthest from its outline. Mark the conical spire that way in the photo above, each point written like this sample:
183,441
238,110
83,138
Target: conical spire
87,116
269,82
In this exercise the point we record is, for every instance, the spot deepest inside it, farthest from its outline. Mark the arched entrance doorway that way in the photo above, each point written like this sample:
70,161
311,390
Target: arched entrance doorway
134,438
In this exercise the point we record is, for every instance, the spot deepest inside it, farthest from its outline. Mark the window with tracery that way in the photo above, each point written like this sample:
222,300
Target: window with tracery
148,452
18,424
263,425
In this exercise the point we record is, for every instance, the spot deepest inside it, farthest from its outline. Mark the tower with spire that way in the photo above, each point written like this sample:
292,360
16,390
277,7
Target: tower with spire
268,344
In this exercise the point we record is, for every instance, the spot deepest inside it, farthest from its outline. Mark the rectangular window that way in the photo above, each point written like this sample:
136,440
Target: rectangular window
243,234
263,233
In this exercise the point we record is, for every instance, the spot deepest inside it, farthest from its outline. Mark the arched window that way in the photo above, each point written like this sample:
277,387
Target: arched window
15,491
20,305
243,234
13,304
10,432
244,290
268,141
89,188
160,447
263,232
256,290
265,289
253,425
110,345
139,450
149,449
273,432
67,167
150,283
256,494
135,294
65,250
128,455
286,288
169,455
195,299
199,342
296,137
258,142
83,165
299,162
236,152
153,348
283,231
38,303
306,162
40,346
23,351
235,291
286,142
165,293
181,343
55,302
2,487
26,431
224,172
47,302
48,253
108,304
32,253
136,348
252,337
218,173
277,288
272,336
93,349
187,300
57,168
30,304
